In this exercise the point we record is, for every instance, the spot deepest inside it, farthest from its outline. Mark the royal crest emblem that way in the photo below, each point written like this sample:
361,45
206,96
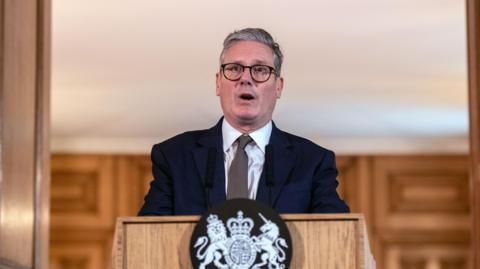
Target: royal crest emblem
240,249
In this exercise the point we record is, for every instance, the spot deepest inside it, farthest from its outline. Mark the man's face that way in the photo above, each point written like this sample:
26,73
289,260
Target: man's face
248,105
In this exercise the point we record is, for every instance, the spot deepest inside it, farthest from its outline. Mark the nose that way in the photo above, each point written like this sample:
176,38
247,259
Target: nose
246,78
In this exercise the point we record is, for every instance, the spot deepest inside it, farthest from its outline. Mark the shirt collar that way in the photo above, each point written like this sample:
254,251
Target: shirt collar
260,136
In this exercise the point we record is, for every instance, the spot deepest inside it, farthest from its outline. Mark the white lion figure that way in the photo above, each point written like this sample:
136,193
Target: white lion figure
218,235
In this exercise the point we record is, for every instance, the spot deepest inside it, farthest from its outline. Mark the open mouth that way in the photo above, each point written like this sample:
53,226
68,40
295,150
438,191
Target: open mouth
246,96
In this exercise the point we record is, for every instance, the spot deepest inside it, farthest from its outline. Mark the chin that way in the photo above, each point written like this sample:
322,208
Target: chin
244,119
247,115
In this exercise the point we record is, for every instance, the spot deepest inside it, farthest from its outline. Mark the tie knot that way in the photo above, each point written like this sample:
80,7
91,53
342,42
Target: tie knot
243,141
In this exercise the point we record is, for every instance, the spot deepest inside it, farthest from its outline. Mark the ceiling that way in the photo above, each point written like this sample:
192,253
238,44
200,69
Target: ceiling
369,76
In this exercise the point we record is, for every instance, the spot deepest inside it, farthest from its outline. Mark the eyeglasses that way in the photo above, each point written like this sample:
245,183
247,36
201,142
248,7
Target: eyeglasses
258,72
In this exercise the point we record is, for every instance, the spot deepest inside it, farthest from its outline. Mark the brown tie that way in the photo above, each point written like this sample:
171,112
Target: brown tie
238,173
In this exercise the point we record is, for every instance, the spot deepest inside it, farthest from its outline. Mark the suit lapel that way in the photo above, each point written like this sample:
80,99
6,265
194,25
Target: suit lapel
283,162
212,138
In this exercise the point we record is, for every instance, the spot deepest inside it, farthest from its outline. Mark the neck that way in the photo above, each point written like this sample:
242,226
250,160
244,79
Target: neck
247,128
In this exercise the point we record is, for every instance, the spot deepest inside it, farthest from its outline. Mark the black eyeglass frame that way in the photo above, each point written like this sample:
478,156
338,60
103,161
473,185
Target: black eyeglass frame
272,70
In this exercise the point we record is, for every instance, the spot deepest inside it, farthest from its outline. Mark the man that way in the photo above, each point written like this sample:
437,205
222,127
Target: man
197,169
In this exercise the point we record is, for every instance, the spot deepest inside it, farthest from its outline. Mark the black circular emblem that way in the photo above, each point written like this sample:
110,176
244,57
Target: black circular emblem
241,234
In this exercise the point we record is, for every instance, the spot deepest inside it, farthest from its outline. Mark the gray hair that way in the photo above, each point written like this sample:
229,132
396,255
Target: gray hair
258,35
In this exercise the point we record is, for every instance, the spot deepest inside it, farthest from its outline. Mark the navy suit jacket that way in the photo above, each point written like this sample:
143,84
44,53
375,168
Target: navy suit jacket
304,175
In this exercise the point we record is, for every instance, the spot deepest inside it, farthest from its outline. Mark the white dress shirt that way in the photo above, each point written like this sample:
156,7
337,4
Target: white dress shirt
255,151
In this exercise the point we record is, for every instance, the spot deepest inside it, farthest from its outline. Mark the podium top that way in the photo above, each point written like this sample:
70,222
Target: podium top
285,217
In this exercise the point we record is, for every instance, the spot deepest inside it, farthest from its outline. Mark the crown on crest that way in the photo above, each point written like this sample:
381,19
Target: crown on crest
213,220
239,225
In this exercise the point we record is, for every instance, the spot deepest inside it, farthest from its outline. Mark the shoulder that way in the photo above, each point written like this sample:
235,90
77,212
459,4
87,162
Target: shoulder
186,140
306,146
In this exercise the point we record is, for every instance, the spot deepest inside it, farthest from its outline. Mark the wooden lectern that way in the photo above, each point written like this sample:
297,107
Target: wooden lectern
319,241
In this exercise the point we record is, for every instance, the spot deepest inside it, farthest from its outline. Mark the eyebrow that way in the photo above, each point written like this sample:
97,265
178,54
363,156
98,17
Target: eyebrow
254,62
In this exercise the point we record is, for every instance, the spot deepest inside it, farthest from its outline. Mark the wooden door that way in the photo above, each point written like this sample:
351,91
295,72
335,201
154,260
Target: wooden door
24,121
473,22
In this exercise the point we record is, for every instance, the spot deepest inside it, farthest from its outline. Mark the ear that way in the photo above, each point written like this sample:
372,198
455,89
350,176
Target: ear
279,87
217,83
